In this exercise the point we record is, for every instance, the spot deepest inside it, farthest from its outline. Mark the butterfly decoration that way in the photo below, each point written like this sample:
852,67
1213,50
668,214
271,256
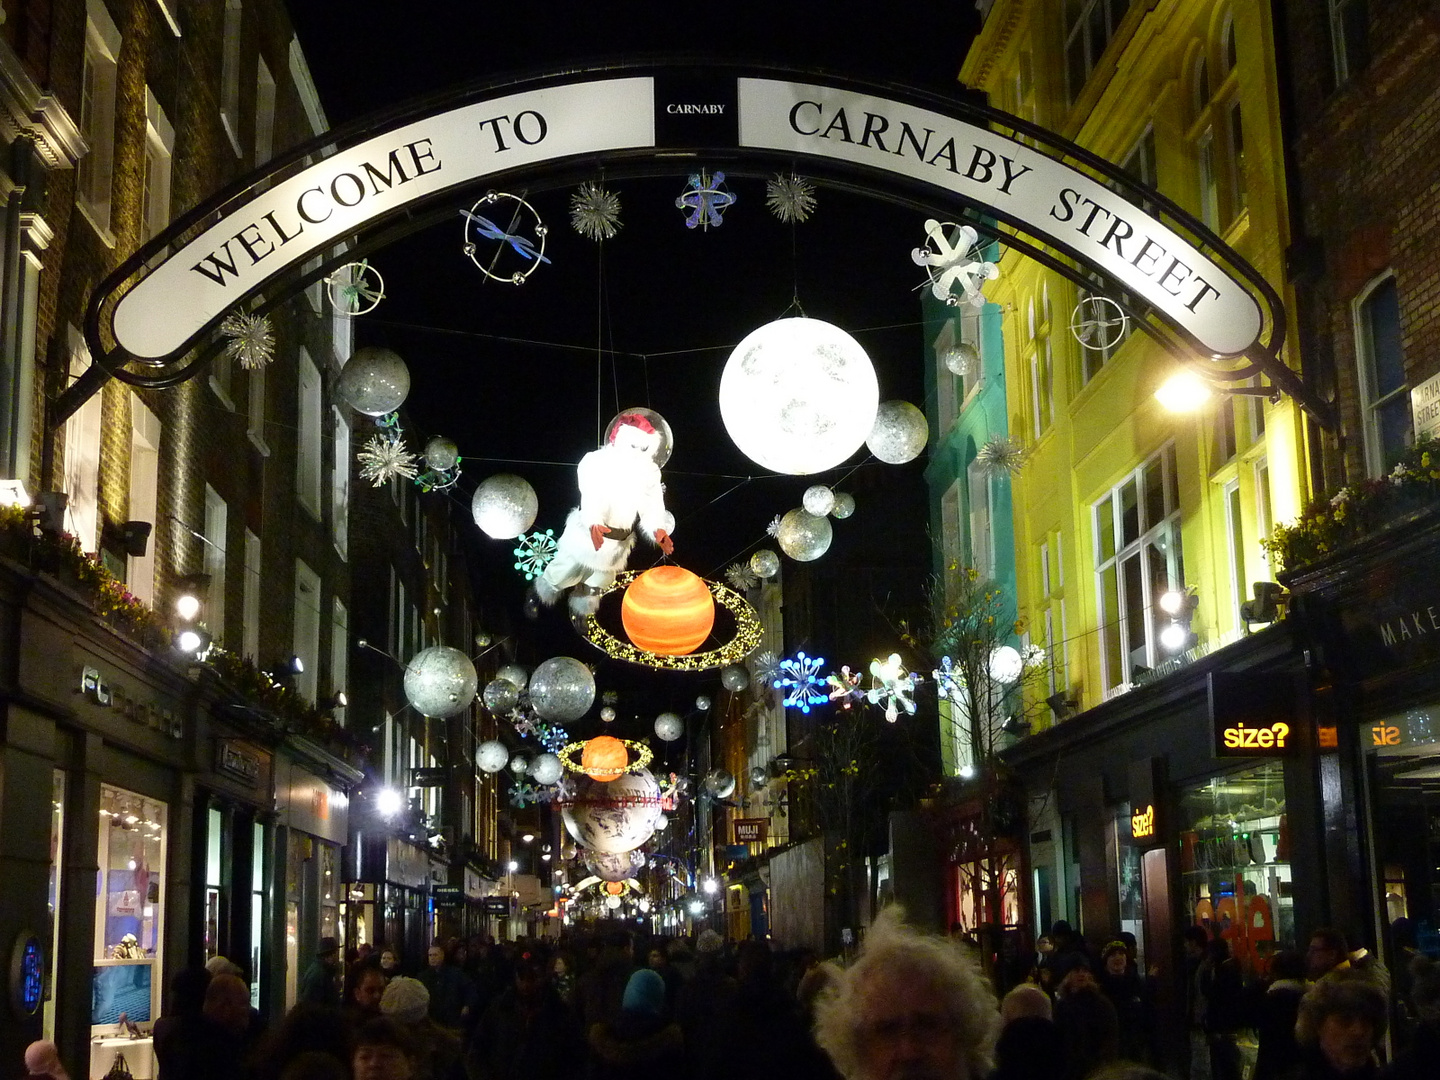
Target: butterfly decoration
706,197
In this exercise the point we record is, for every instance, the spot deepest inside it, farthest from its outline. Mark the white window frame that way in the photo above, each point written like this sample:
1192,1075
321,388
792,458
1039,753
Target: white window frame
309,466
340,486
82,455
1207,179
255,414
1235,548
305,639
231,42
980,510
250,597
159,158
339,652
1264,508
264,112
305,89
1370,402
144,501
99,77
217,523
1339,42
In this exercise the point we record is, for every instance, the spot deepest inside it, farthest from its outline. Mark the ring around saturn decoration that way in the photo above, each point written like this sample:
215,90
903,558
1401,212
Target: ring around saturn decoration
747,634
638,762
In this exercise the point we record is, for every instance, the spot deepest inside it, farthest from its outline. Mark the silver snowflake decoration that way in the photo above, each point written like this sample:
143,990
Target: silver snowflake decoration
773,529
741,577
802,682
595,212
382,459
790,198
764,666
533,552
251,339
1002,456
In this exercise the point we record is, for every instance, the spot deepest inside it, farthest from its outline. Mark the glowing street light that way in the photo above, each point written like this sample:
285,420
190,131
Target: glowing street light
389,802
1183,392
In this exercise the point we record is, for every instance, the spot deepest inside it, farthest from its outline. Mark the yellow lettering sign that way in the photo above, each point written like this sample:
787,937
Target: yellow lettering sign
1385,735
1274,737
1142,823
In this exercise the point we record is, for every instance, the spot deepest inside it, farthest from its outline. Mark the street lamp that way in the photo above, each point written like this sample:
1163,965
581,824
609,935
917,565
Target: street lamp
389,802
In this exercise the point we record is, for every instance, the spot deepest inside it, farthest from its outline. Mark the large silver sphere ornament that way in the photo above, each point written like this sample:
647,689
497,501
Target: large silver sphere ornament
798,396
607,714
500,696
703,702
612,817
818,500
899,434
719,784
515,675
765,563
491,756
504,506
844,505
656,421
440,681
735,678
441,454
804,537
562,689
546,769
519,763
962,359
374,381
614,866
669,727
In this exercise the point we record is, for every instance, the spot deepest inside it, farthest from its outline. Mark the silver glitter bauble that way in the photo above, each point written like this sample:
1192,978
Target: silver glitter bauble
504,506
962,359
844,505
719,784
500,696
562,689
765,563
804,537
515,675
546,769
491,756
734,678
759,777
669,727
519,763
607,714
440,681
702,702
374,381
899,434
818,500
441,454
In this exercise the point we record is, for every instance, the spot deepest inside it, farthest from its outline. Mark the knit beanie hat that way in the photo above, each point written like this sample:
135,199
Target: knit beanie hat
406,1001
709,942
645,993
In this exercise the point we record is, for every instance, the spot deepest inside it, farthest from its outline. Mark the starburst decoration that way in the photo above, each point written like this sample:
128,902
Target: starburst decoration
773,529
764,666
382,459
251,339
741,577
790,198
595,212
1002,456
844,687
533,552
893,687
802,682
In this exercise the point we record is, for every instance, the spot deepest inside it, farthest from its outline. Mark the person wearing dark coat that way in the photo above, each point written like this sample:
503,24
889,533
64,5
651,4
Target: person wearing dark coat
1121,983
1089,1029
703,1003
1340,1025
527,1033
1030,1046
179,1032
767,1021
1275,1014
599,992
641,1041
1420,1058
451,993
320,984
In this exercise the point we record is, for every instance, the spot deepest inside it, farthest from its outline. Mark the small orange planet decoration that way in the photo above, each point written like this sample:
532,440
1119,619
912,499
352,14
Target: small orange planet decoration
614,888
668,611
604,758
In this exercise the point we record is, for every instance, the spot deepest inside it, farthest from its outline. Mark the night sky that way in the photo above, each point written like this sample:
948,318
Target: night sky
511,373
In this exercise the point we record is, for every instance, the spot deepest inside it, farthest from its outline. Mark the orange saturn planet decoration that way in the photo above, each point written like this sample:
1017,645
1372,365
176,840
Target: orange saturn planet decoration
614,888
668,611
604,758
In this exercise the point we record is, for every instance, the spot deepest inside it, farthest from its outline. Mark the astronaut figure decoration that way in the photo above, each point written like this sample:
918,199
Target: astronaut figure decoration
620,496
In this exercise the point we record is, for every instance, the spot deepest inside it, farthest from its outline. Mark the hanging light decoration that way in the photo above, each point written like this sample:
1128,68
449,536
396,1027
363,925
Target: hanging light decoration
668,610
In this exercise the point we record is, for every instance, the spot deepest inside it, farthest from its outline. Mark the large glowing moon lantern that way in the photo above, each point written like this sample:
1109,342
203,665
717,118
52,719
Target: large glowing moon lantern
798,396
440,681
668,611
615,817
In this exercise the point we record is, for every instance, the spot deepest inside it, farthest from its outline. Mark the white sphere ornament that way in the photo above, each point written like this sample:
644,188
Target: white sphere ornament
844,506
719,784
374,381
440,681
501,695
441,454
519,763
562,689
803,536
1006,664
818,500
515,675
491,756
614,867
661,822
612,902
607,714
962,359
798,396
765,564
612,817
504,506
734,678
669,727
899,434
702,702
546,769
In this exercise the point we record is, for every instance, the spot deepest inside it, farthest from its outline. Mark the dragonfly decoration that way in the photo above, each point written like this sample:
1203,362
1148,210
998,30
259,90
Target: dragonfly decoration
356,288
510,239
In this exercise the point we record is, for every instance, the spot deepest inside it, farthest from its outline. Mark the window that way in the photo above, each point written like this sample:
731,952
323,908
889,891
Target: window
1238,185
339,652
1235,550
1104,340
264,112
82,457
222,368
1263,513
1137,559
1217,135
308,469
155,181
255,421
217,517
982,546
340,486
1209,183
1384,400
951,528
1090,24
1140,163
307,629
1222,446
129,931
250,597
1042,385
144,495
1349,38
97,114
230,74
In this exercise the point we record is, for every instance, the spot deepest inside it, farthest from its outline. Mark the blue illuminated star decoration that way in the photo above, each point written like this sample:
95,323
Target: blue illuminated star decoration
949,682
802,682
533,552
706,197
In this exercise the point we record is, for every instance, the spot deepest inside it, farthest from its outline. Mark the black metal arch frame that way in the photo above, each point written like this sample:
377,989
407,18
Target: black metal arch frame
1261,359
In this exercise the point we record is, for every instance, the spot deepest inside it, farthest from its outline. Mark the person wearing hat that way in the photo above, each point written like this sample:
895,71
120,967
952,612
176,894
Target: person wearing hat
406,1002
320,985
640,1040
1121,982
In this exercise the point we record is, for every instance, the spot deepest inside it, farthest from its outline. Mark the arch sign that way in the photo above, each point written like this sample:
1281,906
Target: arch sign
356,183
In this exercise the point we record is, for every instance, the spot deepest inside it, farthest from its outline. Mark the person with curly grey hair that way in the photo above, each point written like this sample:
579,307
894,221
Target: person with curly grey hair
912,1006
1341,1022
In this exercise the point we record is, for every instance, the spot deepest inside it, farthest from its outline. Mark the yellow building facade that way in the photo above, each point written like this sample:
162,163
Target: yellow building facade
1120,499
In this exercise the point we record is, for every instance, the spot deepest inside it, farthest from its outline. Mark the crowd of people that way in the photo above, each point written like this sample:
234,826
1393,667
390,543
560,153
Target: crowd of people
908,1006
